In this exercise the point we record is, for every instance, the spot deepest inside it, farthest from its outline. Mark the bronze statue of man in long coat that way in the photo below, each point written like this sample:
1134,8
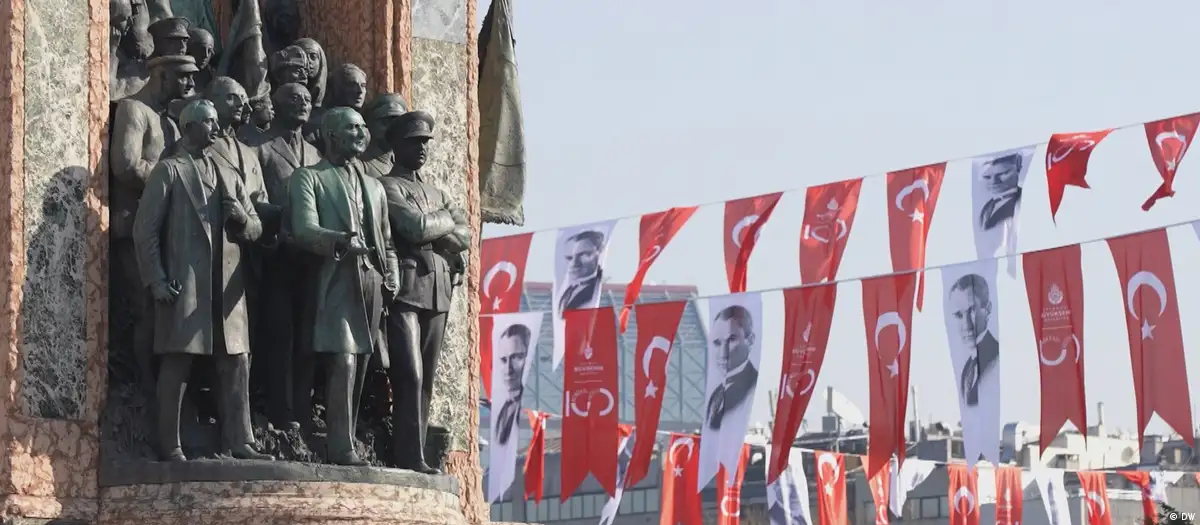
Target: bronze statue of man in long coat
341,215
191,232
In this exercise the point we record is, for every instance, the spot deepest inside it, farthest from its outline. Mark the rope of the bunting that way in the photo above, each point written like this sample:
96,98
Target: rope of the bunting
905,272
551,415
864,177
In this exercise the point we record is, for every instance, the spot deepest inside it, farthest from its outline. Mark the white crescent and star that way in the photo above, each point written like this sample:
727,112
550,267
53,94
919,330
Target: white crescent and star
682,442
657,343
827,459
585,412
964,493
920,184
808,386
1084,142
1167,135
1140,279
652,253
725,509
500,267
745,222
1098,500
885,320
1062,353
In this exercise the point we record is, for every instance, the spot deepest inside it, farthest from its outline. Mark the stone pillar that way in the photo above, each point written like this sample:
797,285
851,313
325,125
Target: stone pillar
54,102
426,50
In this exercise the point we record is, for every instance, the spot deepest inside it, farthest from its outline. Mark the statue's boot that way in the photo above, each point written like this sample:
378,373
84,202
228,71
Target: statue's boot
410,450
245,451
347,458
174,455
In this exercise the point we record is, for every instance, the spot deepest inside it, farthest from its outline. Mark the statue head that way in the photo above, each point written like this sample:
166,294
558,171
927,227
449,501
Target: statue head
198,123
382,110
120,19
344,132
229,97
317,70
409,136
262,112
293,102
288,65
201,46
349,86
170,36
173,76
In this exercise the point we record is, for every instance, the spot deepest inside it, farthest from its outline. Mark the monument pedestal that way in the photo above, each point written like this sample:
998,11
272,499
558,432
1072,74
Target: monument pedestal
231,492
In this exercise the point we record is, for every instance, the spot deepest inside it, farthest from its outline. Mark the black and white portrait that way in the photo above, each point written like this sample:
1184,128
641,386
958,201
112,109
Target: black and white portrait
972,326
787,496
578,273
514,345
624,454
735,347
996,186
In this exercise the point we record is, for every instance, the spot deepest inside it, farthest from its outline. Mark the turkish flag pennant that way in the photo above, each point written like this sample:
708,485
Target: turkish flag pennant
1067,157
535,458
1155,339
1010,496
657,324
590,394
887,312
656,231
500,292
808,316
1169,140
828,217
681,466
831,487
729,491
964,494
744,218
1142,480
1095,495
912,196
1054,287
880,485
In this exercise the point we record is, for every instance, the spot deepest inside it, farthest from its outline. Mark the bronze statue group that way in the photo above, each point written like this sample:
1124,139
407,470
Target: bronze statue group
252,211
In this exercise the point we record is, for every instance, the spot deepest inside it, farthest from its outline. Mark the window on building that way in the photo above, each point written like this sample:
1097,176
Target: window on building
564,511
653,498
589,506
626,504
639,501
577,507
929,508
945,506
506,512
543,514
531,508
553,510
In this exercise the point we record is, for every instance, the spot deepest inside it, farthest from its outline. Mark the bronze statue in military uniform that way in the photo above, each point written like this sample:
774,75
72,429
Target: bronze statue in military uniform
289,65
341,216
191,232
170,36
384,109
431,235
285,282
142,134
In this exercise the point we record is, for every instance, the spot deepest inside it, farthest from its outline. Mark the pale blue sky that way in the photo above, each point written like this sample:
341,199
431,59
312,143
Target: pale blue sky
636,106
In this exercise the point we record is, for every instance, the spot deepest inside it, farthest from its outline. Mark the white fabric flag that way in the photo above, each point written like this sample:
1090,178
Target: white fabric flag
579,255
733,355
906,478
1159,481
972,312
514,344
1054,495
624,453
787,497
997,181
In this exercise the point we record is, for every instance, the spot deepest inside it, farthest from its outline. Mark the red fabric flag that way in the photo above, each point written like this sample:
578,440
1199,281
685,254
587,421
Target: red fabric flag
656,231
828,217
964,494
1169,140
1142,480
909,217
1054,287
831,487
681,466
535,458
887,312
744,218
729,491
1155,338
1095,495
1067,157
1010,496
657,324
500,291
808,316
881,486
590,395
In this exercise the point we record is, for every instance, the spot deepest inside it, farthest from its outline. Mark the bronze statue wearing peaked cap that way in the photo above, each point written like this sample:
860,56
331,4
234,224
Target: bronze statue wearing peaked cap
170,36
380,112
430,236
